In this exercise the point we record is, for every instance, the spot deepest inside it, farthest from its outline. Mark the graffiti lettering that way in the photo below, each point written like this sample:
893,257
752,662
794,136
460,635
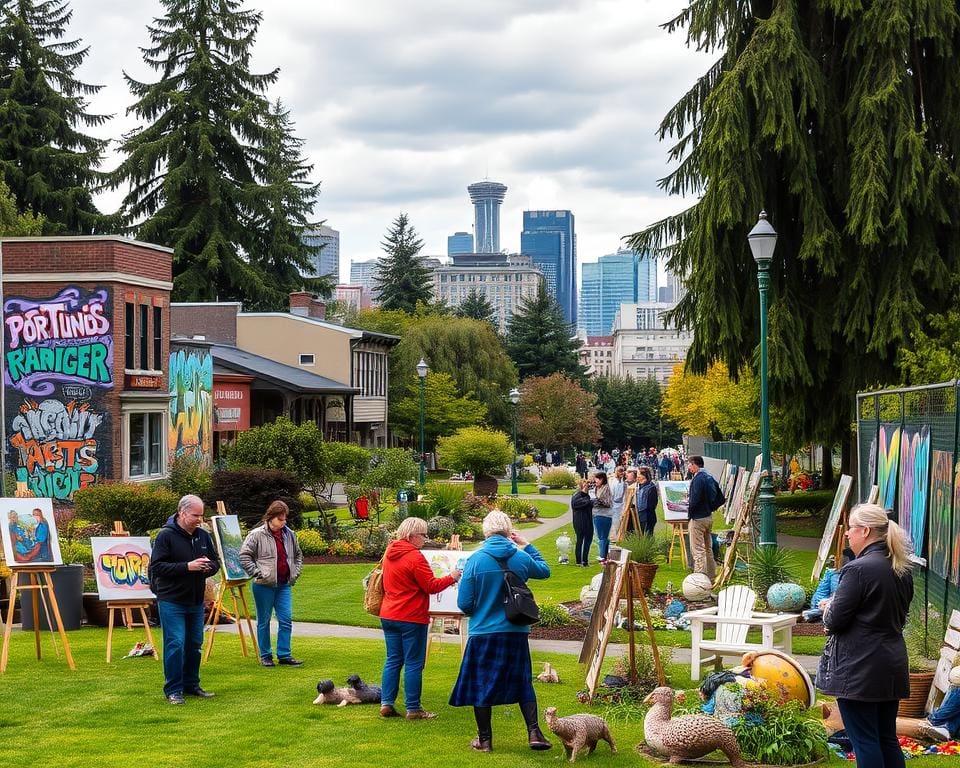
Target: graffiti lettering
85,361
52,419
191,405
126,570
46,322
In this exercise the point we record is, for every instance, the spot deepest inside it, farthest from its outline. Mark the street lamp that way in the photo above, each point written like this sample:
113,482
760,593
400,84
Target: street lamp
422,373
763,239
514,398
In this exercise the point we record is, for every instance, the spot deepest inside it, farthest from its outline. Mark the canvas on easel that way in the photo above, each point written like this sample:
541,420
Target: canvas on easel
228,538
834,526
748,500
601,620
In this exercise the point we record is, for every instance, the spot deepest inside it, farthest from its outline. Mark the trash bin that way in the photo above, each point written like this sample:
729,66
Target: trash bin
403,497
363,508
68,588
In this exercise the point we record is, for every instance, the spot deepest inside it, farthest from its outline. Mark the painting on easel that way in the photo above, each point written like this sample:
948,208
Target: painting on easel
229,538
122,565
675,495
30,533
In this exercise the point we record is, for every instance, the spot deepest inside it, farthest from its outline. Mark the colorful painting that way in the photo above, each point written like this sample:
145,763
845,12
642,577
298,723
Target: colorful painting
229,538
674,497
122,567
840,499
914,483
941,482
59,365
888,460
442,562
955,537
191,404
30,533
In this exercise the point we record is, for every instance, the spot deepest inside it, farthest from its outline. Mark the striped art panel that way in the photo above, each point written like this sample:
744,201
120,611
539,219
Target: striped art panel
887,464
914,483
941,482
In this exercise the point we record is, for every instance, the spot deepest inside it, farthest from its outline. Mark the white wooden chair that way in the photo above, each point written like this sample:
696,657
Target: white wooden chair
733,616
949,658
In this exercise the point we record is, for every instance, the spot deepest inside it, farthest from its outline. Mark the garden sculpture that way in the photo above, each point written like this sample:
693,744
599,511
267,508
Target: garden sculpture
579,731
549,674
328,693
686,737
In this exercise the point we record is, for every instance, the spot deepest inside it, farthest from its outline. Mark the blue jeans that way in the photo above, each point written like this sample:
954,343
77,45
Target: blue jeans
872,729
182,640
268,601
602,525
407,648
947,714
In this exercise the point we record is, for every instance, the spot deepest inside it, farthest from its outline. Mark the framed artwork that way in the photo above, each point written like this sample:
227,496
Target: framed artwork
442,562
122,567
30,533
601,620
833,520
716,467
229,538
674,496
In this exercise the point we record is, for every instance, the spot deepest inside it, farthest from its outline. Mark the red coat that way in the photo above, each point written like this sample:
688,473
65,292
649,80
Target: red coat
408,583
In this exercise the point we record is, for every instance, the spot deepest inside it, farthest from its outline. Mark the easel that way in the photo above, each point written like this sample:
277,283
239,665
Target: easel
438,621
41,578
628,593
679,531
128,607
743,518
629,515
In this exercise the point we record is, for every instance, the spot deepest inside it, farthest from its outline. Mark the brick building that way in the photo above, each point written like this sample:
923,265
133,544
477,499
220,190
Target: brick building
85,356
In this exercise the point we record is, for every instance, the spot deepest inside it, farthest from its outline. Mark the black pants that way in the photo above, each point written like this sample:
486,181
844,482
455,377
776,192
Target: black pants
583,528
648,521
872,729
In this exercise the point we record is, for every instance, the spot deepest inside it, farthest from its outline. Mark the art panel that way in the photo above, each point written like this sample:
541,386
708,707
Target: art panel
674,496
442,562
191,404
229,539
58,354
914,483
955,533
941,481
840,499
122,567
888,461
30,533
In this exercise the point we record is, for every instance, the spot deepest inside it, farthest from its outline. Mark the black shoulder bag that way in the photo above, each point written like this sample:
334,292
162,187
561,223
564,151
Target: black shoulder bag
518,601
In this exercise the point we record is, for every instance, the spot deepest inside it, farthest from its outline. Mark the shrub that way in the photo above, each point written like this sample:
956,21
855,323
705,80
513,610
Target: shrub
517,509
418,509
446,498
558,478
441,528
139,506
347,461
284,446
775,732
70,527
554,615
76,552
526,476
308,502
373,540
770,565
312,543
187,474
248,492
474,506
345,548
470,531
475,449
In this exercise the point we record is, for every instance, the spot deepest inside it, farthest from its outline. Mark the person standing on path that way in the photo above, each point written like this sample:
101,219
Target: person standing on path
701,517
602,513
582,506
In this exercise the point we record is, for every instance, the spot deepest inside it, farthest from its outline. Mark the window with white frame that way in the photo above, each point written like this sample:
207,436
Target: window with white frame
146,444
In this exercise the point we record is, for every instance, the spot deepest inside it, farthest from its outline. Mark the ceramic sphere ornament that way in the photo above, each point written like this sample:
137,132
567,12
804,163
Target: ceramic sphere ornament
785,597
697,587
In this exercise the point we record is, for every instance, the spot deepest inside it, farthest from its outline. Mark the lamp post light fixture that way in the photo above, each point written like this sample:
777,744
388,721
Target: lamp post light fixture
763,239
515,399
422,369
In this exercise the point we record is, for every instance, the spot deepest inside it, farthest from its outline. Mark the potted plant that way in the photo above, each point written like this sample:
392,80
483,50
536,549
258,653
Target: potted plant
646,552
923,648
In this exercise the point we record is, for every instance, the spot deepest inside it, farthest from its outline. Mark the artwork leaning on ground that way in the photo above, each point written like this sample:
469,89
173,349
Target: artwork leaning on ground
58,358
229,539
29,533
122,567
914,483
941,481
191,405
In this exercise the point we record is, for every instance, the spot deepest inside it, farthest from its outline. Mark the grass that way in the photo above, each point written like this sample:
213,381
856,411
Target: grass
528,488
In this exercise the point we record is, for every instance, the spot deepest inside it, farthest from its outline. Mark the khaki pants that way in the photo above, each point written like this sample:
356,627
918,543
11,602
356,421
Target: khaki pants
701,545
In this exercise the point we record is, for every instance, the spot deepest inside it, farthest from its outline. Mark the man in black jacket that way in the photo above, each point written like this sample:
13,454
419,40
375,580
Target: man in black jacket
700,514
182,558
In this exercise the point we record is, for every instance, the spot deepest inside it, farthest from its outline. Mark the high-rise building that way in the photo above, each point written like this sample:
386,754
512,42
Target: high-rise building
549,238
613,279
459,242
486,197
362,273
326,261
646,277
645,345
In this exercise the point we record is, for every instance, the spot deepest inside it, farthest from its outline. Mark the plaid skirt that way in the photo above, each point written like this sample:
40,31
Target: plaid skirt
495,670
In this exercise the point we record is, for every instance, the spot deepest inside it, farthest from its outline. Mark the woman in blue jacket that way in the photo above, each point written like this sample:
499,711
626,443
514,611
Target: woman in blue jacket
496,662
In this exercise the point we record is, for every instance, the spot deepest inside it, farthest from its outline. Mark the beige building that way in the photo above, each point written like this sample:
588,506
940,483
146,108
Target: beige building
644,346
596,354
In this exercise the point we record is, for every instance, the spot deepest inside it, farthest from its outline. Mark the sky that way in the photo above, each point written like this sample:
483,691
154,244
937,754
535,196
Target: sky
403,104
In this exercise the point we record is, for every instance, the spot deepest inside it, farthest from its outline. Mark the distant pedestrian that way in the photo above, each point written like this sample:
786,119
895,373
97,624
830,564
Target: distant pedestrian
602,513
582,505
581,464
646,501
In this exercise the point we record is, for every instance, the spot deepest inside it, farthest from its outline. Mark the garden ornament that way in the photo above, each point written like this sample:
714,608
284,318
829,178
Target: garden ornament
563,547
686,737
579,731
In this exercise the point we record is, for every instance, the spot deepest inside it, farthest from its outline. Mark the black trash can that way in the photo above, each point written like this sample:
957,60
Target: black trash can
68,587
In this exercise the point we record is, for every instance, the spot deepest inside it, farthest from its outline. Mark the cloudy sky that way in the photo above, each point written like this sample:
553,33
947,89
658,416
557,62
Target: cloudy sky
403,103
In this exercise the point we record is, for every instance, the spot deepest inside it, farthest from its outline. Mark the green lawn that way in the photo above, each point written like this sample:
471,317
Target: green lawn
550,509
504,488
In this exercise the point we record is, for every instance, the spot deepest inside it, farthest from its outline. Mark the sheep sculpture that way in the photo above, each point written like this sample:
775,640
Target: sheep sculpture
579,731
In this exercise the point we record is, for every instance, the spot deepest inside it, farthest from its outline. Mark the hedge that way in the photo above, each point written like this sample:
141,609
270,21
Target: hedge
141,507
248,492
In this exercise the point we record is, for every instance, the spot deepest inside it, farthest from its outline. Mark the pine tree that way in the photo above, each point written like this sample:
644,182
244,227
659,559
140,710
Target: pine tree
476,306
289,195
840,119
540,341
48,163
193,169
401,279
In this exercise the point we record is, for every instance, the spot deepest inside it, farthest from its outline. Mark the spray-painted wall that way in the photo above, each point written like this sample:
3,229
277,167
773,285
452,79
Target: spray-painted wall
191,403
58,367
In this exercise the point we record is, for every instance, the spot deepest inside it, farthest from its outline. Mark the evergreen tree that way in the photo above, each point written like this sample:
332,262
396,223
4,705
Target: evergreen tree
401,279
630,412
540,341
12,222
280,250
48,163
476,306
193,169
839,119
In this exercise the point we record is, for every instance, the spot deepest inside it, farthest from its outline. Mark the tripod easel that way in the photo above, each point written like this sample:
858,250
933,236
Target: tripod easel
628,516
631,592
128,607
41,578
240,613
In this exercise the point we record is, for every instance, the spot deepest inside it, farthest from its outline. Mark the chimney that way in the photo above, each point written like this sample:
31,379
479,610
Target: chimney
303,303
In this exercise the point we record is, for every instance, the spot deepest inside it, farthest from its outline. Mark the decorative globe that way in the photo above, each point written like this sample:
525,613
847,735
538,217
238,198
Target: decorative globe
697,587
785,597
784,676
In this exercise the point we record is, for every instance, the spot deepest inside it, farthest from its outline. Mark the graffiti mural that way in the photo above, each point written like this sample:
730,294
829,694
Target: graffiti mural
887,463
59,365
191,404
941,481
914,483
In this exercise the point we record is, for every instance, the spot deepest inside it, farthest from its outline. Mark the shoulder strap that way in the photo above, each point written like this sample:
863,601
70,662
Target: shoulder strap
501,561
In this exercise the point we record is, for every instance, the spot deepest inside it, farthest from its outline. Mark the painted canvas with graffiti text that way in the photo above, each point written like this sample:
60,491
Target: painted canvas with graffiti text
122,567
30,533
58,356
941,493
914,483
191,405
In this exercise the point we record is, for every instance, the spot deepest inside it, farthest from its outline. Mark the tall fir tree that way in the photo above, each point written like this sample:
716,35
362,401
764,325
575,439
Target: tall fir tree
289,194
477,306
193,170
839,119
49,164
540,341
402,279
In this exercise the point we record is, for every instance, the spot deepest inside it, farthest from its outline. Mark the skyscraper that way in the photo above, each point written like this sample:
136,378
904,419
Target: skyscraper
486,197
612,280
327,260
459,242
549,237
361,273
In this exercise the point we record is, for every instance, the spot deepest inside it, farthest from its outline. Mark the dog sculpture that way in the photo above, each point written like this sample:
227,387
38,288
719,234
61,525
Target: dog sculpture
369,694
579,731
356,692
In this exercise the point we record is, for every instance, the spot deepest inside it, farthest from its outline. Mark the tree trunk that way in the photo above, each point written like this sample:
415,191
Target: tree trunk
826,475
484,485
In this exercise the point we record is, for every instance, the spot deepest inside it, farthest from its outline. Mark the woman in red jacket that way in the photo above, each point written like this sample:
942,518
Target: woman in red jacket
408,583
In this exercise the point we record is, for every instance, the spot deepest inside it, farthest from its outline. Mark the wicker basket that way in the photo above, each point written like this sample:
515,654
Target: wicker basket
914,706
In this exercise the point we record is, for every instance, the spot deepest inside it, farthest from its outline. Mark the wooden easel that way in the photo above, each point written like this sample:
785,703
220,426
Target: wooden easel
128,607
743,519
41,578
240,613
440,621
629,514
679,531
628,593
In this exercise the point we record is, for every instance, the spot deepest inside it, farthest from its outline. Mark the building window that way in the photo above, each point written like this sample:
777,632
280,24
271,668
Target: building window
146,437
128,361
142,331
157,338
306,359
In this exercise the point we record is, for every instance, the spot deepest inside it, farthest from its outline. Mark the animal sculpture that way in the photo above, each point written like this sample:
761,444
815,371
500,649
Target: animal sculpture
356,692
579,731
549,674
687,737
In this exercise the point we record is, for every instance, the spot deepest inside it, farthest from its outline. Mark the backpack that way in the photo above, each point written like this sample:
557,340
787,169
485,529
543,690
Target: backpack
718,499
373,590
518,601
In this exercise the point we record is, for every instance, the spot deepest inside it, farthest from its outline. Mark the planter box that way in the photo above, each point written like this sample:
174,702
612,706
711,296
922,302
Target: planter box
68,588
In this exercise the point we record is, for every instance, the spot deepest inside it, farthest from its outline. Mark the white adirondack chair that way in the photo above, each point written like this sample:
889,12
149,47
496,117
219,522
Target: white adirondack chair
733,617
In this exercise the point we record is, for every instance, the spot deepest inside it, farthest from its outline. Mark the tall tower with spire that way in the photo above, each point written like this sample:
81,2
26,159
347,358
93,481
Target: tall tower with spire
486,197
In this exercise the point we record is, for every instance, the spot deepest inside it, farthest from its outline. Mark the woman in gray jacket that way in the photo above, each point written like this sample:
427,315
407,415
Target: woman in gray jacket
272,556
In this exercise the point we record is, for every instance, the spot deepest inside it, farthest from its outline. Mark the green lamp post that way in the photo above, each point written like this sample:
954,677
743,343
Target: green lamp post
515,399
763,239
422,369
